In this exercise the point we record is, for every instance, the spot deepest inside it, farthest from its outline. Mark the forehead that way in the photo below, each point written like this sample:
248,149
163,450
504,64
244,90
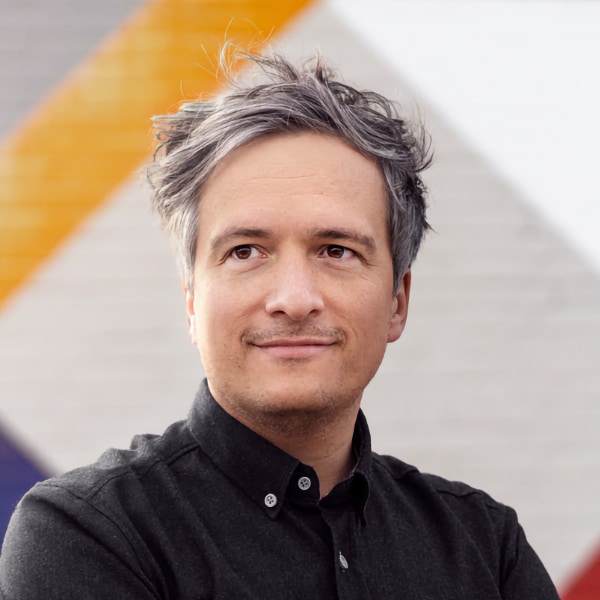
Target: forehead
295,178
273,159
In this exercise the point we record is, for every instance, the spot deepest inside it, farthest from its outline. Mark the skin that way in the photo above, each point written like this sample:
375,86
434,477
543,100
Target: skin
293,305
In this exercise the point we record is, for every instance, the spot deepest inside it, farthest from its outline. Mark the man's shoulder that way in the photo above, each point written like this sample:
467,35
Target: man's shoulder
107,511
400,470
465,502
479,529
459,490
147,453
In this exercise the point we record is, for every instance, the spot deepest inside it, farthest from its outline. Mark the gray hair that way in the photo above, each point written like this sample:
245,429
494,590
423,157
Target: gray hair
194,140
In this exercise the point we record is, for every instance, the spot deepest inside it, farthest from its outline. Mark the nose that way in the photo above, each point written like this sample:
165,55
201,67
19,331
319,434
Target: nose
294,290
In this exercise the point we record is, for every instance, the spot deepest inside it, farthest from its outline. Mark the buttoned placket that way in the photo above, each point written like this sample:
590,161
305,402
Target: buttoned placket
345,527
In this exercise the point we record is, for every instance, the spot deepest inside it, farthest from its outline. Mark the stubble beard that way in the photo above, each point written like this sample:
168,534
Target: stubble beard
307,414
314,411
319,413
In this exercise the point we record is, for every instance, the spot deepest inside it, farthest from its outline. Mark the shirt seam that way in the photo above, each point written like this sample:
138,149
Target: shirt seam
486,499
120,471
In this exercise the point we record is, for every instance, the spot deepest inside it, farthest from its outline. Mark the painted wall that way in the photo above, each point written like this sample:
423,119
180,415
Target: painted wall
495,381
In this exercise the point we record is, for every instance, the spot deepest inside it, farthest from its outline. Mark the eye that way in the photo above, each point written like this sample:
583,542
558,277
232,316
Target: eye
337,252
244,252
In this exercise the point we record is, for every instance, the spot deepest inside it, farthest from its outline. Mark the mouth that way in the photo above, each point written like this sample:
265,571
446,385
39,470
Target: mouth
296,348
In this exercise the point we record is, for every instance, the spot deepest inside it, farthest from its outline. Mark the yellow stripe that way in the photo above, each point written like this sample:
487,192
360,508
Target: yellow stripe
93,132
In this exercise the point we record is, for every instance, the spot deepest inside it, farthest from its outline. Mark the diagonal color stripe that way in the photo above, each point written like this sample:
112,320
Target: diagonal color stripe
587,585
89,135
18,473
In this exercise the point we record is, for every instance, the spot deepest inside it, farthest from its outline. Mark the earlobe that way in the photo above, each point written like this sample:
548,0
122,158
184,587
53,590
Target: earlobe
400,312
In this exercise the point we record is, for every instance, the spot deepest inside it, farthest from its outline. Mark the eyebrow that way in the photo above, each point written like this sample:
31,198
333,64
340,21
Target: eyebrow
343,234
339,234
223,238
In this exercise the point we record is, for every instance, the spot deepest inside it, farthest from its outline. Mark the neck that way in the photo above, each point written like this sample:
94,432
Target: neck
323,442
328,453
334,468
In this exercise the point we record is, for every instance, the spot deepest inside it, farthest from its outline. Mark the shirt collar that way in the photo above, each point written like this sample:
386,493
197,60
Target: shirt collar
266,473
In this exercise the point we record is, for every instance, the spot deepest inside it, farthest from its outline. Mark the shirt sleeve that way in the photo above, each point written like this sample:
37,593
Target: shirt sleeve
494,529
523,576
58,546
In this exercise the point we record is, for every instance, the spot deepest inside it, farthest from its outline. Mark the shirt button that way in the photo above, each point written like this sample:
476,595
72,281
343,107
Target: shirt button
304,483
270,500
343,562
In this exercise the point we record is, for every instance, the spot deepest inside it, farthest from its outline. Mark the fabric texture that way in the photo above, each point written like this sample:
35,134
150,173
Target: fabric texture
212,510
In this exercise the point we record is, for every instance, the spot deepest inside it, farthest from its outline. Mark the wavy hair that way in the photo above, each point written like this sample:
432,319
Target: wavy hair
289,98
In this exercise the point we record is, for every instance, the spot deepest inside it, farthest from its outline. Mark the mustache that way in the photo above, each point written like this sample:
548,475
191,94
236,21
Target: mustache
264,336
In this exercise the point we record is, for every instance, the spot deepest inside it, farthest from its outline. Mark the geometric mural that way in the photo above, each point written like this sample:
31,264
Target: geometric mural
495,380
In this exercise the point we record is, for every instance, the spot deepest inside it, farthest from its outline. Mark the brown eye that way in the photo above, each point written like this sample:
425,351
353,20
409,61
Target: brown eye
242,252
334,251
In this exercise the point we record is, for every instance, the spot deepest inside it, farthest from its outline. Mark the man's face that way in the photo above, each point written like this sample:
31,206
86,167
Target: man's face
292,304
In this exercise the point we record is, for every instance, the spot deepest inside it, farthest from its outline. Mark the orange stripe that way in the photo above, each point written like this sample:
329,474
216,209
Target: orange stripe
94,131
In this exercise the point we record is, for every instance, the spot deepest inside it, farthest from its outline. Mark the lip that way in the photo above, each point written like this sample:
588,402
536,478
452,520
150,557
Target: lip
295,348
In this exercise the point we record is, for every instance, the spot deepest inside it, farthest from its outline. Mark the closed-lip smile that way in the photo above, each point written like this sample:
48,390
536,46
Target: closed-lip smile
295,342
294,348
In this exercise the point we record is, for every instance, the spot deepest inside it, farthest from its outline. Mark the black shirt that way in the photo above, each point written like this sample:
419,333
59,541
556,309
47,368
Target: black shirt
212,510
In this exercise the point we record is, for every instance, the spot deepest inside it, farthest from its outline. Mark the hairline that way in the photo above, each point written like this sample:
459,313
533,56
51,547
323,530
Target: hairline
295,99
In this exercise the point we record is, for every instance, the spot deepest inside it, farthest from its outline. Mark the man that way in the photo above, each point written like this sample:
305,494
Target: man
296,209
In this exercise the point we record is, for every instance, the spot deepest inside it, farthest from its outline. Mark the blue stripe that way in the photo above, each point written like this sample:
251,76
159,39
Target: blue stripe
18,473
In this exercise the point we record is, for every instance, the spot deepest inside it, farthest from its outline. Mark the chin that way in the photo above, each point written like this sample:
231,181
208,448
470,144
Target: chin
282,396
299,413
307,397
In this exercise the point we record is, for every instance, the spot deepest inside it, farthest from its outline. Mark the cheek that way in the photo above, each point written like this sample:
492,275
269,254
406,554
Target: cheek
375,326
372,308
220,319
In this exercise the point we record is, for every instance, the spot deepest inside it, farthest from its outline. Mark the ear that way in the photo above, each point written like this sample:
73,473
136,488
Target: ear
400,311
191,312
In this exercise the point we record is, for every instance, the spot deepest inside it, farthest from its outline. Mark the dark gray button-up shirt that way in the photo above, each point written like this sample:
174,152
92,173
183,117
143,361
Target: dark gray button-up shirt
209,509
